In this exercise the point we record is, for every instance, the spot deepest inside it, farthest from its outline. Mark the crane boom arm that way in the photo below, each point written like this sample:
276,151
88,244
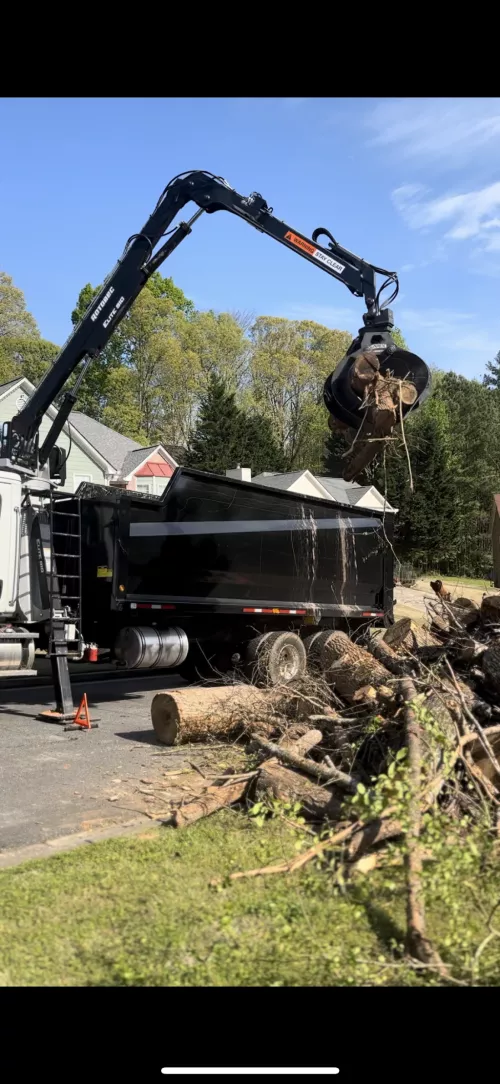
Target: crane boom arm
138,262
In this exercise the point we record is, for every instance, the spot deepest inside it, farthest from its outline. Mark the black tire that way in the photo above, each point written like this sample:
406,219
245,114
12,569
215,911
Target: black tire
275,658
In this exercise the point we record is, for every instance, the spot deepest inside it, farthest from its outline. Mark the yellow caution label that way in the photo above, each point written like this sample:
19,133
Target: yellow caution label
103,572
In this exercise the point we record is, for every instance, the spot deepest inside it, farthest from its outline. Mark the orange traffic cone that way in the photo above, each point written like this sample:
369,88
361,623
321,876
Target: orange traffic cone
82,717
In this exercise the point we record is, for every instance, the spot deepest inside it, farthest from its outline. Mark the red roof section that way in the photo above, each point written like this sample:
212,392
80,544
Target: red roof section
158,470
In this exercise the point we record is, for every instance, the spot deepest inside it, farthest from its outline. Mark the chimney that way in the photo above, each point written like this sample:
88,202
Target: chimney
242,474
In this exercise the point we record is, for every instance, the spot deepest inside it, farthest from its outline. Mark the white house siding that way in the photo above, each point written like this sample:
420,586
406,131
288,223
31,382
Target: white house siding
79,465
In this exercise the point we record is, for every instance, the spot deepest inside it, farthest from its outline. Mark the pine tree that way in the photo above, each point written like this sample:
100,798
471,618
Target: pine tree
226,436
491,378
216,442
335,447
259,448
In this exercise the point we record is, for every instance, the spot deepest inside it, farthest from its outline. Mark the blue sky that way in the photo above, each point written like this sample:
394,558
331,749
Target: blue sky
409,184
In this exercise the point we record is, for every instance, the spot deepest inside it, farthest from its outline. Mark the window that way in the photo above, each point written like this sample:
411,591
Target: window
143,486
78,478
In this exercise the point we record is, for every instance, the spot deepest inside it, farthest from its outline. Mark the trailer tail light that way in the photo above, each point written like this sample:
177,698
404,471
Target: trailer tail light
372,613
151,606
273,610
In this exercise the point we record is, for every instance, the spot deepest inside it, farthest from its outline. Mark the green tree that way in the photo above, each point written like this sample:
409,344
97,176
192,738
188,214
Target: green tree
218,343
143,343
226,436
30,357
399,339
216,441
491,378
333,461
429,519
289,363
15,320
259,448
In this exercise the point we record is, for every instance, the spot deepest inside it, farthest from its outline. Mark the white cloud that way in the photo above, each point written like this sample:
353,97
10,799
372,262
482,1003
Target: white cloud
450,330
468,215
450,130
439,321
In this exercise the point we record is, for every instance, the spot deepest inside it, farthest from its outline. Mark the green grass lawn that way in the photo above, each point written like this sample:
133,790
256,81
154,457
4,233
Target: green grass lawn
141,911
458,581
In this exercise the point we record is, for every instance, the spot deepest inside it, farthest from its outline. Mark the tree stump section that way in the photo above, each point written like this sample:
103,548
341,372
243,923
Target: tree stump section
350,668
409,638
291,786
490,609
466,611
490,665
192,715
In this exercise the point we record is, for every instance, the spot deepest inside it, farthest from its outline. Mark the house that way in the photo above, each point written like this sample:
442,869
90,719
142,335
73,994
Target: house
311,485
97,453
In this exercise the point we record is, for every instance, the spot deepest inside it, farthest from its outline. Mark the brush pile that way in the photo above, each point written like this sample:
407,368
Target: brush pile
378,733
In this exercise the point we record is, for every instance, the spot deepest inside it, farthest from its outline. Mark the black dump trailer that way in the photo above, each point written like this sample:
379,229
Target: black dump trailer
196,578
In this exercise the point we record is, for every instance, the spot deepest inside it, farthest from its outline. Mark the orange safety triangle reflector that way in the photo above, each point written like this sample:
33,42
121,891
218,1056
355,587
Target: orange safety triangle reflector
82,717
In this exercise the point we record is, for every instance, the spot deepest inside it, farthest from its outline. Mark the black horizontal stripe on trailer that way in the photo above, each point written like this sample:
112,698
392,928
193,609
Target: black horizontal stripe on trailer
247,526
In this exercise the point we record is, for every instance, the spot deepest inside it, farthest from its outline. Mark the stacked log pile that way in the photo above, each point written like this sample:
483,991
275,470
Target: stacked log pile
433,693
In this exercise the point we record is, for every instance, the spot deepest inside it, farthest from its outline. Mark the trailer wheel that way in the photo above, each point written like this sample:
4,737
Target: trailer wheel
275,658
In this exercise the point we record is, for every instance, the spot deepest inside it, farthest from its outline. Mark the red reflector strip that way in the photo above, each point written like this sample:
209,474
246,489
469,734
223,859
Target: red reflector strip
151,606
273,610
371,613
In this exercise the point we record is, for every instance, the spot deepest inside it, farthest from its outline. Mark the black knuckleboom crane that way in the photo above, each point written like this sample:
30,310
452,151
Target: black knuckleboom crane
19,438
36,467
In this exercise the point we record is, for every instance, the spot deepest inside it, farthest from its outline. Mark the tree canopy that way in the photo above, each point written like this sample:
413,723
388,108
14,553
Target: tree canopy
232,388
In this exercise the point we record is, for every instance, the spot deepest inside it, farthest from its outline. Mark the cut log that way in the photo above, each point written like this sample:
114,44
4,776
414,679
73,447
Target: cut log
466,610
210,801
385,654
482,762
409,638
440,625
349,667
317,771
291,786
376,831
490,609
364,372
367,694
490,664
302,745
191,715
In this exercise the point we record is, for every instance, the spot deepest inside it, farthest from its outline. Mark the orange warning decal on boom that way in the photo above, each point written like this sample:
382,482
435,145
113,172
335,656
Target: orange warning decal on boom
300,243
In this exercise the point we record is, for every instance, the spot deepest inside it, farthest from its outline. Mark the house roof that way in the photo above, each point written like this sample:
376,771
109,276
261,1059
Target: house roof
120,453
114,447
328,488
176,452
353,493
157,470
134,458
137,458
288,479
4,388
